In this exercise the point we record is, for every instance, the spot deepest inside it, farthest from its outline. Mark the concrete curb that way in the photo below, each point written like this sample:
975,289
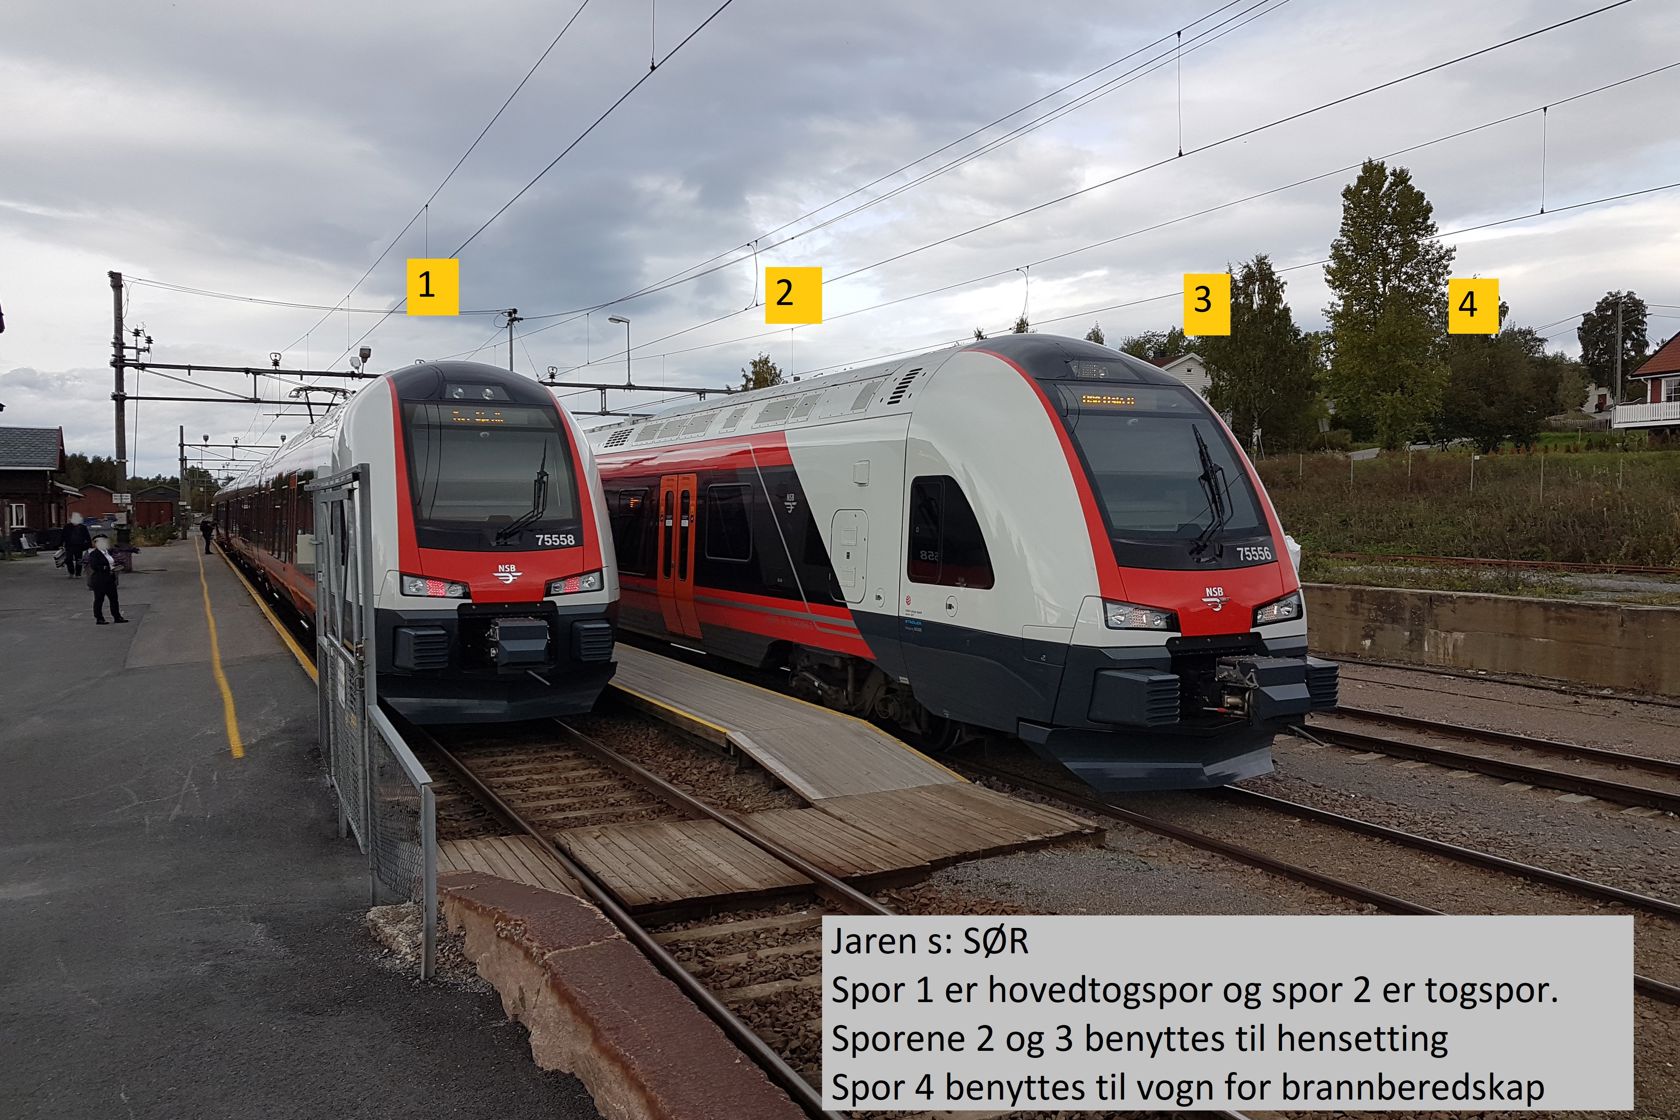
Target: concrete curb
598,1009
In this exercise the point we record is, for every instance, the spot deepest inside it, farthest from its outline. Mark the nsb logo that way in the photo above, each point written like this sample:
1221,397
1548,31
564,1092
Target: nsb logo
1215,598
507,573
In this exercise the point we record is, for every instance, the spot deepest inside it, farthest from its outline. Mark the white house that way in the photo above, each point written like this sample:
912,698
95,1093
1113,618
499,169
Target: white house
1189,368
1599,401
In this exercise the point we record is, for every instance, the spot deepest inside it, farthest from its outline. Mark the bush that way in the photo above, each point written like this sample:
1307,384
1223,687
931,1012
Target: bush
1596,508
153,536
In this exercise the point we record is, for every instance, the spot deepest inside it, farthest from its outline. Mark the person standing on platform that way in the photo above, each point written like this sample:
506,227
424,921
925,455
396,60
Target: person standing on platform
102,578
77,540
208,528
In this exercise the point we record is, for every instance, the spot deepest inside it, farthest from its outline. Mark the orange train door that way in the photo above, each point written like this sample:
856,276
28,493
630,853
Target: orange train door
678,497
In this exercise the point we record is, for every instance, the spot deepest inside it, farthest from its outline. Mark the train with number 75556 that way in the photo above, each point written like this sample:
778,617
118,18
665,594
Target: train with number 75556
1027,535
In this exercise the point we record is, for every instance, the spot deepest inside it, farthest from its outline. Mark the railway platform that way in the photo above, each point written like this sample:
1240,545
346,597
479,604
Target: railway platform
180,927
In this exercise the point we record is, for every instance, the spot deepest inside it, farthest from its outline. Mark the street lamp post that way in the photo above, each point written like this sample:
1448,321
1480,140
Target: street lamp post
626,322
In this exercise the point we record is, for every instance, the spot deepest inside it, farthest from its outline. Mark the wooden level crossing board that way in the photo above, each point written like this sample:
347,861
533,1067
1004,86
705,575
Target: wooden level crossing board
519,858
654,864
815,752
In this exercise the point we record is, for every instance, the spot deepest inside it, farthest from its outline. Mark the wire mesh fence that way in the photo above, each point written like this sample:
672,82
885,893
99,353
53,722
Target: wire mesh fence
345,744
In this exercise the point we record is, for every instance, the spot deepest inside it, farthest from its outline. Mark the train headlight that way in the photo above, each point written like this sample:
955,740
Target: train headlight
1286,609
433,588
1133,616
571,585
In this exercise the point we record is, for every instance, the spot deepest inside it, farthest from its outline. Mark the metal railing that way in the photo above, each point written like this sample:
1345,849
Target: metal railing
402,827
384,795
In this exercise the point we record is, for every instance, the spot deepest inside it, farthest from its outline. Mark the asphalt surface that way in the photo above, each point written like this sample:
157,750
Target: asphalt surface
181,931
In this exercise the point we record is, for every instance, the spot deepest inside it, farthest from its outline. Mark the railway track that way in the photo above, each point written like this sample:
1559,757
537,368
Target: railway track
1560,689
715,961
1357,892
1507,755
757,974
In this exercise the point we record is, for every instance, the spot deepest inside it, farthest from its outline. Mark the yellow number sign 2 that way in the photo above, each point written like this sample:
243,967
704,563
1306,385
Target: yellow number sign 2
792,295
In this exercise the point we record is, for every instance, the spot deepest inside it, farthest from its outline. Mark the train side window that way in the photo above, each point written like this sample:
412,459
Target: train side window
946,545
631,515
728,527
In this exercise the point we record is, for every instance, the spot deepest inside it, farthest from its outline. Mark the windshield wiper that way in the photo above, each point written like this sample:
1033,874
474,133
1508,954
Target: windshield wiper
539,503
1212,479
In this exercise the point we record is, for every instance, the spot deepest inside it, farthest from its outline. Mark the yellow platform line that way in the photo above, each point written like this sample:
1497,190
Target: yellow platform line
298,654
229,716
681,713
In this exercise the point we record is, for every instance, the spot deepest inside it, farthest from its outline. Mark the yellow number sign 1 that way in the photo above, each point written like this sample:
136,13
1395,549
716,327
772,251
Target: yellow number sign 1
792,295
1207,303
1473,305
434,286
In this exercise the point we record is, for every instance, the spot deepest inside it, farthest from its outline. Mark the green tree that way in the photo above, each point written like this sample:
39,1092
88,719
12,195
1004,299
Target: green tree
1095,334
1597,334
979,335
1498,388
1262,373
1568,379
1020,326
761,373
1156,346
1388,278
99,470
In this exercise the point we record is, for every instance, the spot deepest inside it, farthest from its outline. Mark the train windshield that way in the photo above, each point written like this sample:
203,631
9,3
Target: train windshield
1153,477
490,478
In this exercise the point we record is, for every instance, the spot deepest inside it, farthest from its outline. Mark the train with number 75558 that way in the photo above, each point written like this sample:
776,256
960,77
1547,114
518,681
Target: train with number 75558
1027,535
493,585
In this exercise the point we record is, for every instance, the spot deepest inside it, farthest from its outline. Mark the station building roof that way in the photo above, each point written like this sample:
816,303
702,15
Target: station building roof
31,449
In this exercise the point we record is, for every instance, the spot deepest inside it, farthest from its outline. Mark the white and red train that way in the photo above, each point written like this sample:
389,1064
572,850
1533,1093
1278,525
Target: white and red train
494,588
1029,534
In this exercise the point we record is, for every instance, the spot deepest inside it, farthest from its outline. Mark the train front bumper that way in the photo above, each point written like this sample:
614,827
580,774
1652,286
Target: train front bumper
494,662
1186,716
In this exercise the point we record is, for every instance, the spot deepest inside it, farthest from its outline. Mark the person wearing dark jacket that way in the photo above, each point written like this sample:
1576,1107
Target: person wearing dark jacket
102,577
77,540
208,528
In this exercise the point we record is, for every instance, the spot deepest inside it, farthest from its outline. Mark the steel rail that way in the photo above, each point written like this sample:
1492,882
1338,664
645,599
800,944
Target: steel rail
773,1064
1668,766
1622,792
1563,689
1656,989
1620,896
836,890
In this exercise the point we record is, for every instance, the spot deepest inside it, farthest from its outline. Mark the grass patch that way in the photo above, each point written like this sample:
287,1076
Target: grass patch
1590,507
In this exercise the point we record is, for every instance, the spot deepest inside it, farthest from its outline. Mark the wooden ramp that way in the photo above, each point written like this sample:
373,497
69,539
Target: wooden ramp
815,752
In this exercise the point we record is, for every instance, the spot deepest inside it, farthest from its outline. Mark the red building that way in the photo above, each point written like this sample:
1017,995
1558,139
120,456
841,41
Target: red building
156,505
30,501
1661,374
95,501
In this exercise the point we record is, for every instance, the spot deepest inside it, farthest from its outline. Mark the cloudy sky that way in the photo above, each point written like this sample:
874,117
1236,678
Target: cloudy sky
274,150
